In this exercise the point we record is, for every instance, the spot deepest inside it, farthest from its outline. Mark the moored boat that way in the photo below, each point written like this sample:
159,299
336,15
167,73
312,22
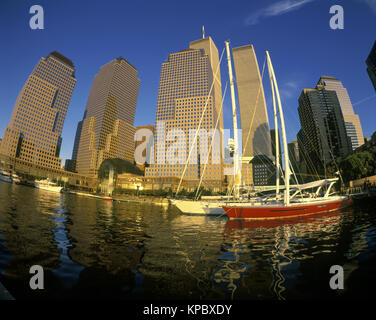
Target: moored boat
15,178
199,207
214,208
207,207
47,185
294,209
299,203
5,176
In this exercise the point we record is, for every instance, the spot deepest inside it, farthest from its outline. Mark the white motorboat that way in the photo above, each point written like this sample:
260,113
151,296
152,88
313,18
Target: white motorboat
15,178
5,176
47,185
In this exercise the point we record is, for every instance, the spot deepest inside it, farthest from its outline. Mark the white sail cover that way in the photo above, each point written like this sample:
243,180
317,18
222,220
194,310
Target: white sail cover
314,184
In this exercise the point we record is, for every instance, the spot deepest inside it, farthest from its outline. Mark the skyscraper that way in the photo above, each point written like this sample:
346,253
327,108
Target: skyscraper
352,121
253,115
274,147
293,148
323,137
371,65
70,164
189,94
107,127
146,145
252,109
34,131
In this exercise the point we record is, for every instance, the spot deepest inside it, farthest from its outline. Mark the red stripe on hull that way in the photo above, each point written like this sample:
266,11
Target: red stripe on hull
277,212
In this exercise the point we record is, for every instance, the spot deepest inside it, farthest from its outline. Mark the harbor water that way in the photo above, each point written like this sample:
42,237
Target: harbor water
90,248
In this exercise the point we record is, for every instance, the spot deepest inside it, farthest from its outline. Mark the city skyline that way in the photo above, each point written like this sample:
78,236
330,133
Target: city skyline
291,72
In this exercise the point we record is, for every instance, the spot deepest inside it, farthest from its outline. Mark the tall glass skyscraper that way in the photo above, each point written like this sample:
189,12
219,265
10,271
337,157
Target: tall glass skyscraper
34,131
352,121
189,93
323,136
371,65
107,128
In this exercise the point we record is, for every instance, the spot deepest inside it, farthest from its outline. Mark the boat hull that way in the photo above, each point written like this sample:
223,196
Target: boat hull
49,188
281,211
199,207
5,179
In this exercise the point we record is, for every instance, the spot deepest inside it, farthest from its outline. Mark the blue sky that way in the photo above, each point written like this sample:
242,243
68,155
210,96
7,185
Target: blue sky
91,33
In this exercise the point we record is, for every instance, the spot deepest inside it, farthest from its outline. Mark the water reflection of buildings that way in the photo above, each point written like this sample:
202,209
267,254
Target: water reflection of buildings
27,234
68,271
105,245
108,249
180,256
231,270
268,253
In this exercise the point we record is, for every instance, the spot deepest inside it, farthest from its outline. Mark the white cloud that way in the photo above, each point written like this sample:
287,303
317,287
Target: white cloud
289,89
292,84
276,9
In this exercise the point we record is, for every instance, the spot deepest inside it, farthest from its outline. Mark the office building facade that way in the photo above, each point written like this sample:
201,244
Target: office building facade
352,121
252,106
70,164
254,121
107,128
263,170
371,65
293,148
323,137
144,140
34,131
189,99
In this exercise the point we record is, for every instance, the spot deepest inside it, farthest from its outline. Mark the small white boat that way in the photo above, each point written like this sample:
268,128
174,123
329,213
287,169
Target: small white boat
208,208
5,176
200,207
47,185
15,178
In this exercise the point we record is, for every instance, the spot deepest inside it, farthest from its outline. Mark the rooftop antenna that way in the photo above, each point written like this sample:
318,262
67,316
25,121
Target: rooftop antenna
203,32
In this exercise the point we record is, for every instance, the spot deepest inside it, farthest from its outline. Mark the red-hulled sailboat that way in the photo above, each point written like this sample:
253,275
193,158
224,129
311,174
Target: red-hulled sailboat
297,204
280,210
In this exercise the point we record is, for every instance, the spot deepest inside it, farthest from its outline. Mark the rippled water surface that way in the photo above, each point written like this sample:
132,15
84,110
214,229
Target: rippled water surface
90,248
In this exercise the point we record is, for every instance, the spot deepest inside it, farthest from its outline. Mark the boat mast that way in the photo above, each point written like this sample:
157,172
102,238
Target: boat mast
276,135
235,122
286,157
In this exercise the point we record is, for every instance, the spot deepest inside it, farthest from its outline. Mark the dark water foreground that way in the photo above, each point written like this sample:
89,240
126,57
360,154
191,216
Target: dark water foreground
91,248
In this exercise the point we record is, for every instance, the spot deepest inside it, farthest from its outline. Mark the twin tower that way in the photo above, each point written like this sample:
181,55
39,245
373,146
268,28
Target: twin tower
190,95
